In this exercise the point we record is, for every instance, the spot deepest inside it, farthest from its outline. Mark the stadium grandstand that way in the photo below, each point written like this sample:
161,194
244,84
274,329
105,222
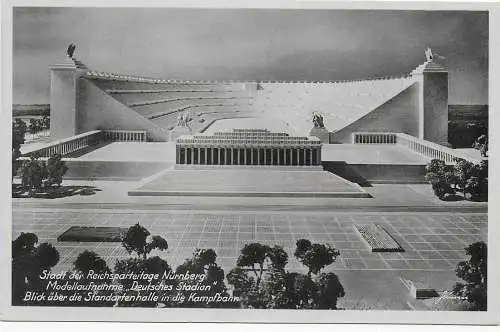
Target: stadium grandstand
84,99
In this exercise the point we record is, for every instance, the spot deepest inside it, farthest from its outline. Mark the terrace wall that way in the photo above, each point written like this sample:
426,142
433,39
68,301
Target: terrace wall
399,114
98,111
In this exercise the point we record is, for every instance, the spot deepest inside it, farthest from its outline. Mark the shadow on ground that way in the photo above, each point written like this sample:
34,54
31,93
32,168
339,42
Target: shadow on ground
456,198
56,192
344,170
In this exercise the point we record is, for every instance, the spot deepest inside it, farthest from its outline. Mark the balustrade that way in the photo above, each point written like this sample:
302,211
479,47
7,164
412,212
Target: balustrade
425,148
79,142
68,145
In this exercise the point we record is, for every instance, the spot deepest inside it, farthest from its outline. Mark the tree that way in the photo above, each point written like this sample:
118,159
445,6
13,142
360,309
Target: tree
34,126
330,289
240,280
56,168
18,132
89,260
474,273
273,287
33,171
203,262
253,254
278,257
481,144
481,171
315,256
45,122
136,241
85,262
28,262
149,266
259,259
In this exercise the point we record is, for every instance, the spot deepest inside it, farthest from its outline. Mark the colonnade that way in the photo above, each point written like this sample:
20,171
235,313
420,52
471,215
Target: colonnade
248,155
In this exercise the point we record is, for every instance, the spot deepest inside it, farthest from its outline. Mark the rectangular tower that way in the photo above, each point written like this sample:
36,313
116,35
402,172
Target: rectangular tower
433,102
63,99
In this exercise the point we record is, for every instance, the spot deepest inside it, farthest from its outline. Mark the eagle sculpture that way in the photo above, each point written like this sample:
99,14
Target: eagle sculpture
71,50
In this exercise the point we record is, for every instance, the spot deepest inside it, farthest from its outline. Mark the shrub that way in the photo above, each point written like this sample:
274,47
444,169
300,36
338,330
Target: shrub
471,179
33,171
56,168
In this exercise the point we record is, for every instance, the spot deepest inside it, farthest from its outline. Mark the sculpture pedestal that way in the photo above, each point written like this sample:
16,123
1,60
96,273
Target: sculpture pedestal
322,133
178,131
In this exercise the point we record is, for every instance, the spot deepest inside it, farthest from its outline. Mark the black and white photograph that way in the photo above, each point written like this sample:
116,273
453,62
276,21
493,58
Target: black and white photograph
248,164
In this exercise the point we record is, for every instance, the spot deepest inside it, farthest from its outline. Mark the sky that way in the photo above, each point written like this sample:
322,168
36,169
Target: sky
249,44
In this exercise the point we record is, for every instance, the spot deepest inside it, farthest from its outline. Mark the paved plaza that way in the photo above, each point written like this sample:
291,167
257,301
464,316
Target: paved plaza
432,241
350,153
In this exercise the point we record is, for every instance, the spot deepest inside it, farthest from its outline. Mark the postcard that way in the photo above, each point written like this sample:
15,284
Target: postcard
300,163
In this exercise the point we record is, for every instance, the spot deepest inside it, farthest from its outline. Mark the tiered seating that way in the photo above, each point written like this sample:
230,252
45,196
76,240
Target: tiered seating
162,101
109,84
156,110
340,103
145,95
204,115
